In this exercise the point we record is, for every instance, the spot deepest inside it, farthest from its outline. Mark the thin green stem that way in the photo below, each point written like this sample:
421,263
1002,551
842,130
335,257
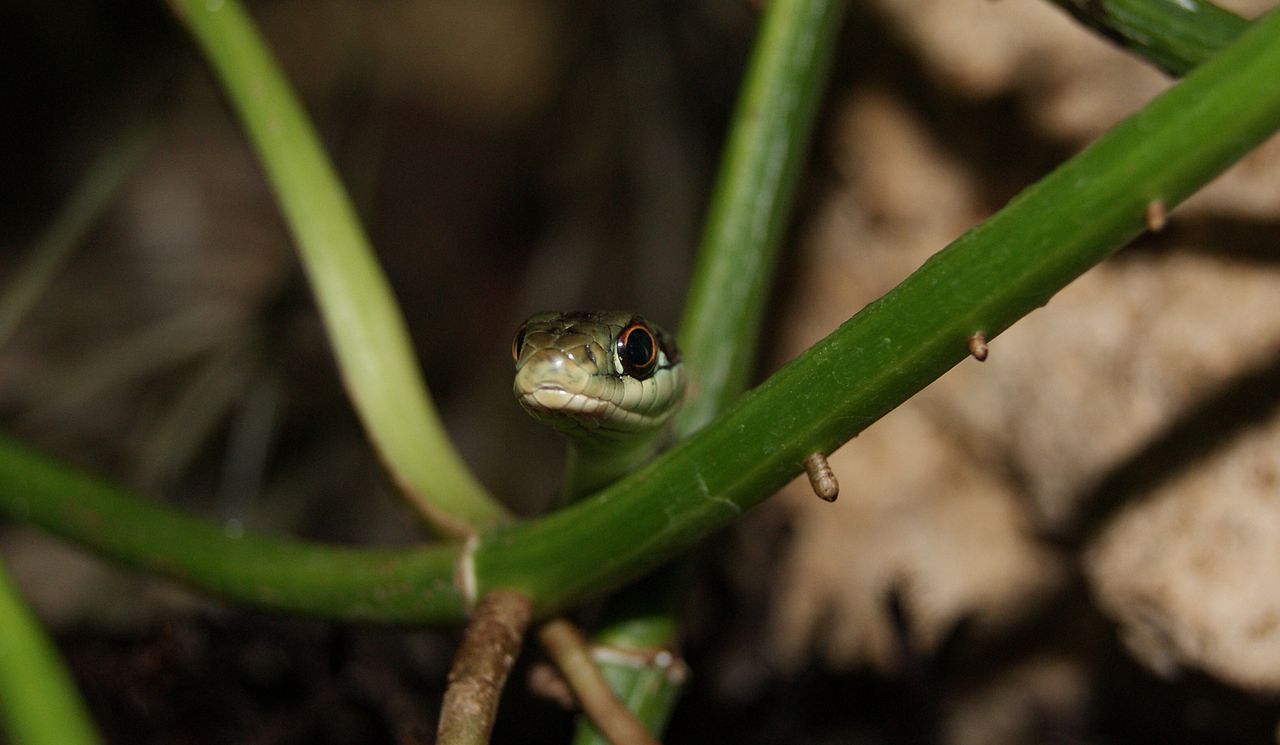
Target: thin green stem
364,323
359,584
752,203
39,704
1176,35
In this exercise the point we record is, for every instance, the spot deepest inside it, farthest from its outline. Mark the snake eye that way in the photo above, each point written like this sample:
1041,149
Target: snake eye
638,351
517,344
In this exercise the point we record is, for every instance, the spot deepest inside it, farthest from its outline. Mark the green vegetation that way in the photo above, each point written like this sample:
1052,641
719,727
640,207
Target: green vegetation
737,449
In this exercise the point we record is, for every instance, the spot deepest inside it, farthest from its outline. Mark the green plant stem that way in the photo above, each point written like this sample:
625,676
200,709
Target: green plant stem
751,206
1176,35
364,323
360,584
39,704
991,276
986,280
752,203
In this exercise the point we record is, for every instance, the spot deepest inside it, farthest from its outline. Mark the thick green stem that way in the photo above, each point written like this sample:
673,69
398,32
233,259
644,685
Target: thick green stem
38,700
364,323
999,271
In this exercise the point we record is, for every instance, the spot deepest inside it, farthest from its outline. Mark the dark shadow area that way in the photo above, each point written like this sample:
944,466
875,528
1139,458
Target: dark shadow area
65,67
1241,239
1198,433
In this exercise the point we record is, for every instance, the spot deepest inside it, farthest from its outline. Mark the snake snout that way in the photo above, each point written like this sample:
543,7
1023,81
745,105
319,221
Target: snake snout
550,381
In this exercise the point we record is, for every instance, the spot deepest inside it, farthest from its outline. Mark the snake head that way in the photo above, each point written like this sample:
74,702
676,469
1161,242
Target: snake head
597,373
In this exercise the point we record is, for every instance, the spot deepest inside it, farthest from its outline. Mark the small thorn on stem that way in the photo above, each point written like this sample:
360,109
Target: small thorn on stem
1156,216
978,346
821,477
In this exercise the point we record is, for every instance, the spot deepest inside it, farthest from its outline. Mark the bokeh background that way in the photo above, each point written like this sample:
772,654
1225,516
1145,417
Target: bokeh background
1077,541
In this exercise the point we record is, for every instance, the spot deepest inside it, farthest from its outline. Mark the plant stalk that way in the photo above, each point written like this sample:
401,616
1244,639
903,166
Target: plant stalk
767,144
39,704
363,321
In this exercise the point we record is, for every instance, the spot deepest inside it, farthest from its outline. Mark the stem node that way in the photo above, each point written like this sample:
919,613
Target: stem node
821,477
1155,216
978,347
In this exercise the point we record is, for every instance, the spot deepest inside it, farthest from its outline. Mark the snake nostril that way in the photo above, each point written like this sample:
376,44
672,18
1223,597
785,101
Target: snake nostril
591,356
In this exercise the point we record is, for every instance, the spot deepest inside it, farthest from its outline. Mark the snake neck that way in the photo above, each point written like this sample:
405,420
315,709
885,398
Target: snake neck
591,465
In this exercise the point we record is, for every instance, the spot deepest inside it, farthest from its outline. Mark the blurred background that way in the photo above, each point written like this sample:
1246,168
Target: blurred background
1073,542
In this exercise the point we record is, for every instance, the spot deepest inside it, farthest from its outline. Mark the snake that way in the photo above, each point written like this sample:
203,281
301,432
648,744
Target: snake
607,380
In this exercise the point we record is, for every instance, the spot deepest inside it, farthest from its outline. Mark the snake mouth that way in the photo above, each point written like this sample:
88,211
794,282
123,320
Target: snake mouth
555,400
578,414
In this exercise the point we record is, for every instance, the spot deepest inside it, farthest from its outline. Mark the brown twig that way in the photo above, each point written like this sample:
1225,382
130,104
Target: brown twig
489,648
571,653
